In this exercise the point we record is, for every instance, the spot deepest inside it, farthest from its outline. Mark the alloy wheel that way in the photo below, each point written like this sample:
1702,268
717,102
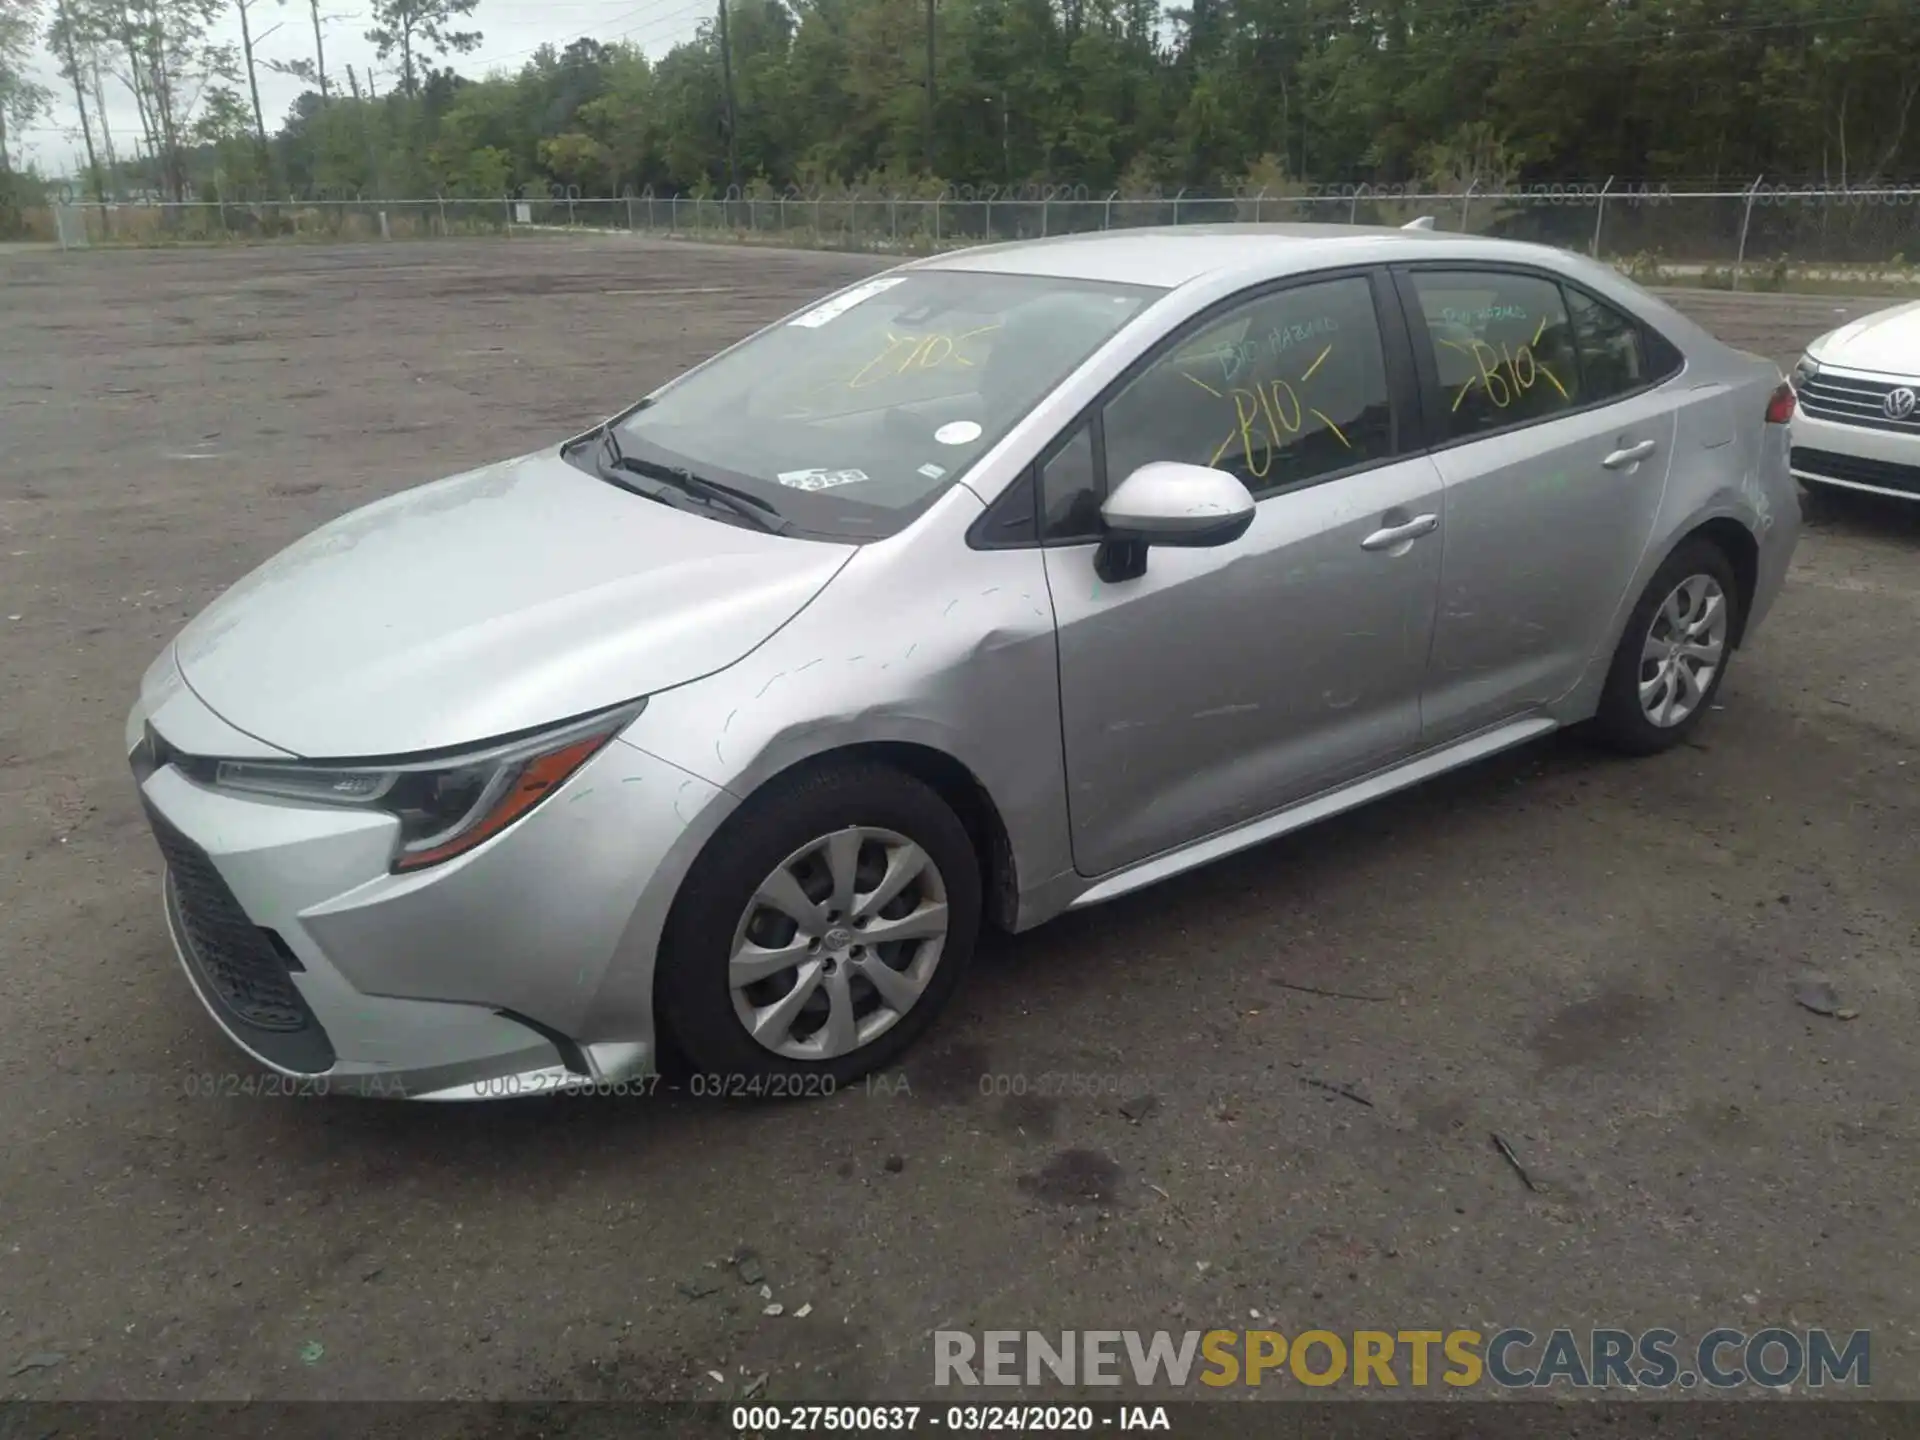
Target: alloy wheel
838,943
1683,651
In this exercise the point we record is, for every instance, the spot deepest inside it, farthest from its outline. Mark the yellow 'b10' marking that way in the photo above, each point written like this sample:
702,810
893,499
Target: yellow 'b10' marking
1505,374
1274,409
1265,417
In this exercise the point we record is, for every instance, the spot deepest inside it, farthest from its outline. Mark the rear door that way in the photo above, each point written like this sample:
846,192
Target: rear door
1553,441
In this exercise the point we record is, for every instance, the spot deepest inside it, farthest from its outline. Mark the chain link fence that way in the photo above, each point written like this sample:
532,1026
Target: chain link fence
1755,235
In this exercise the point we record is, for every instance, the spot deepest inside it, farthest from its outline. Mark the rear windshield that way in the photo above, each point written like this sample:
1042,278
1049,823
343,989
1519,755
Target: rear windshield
851,418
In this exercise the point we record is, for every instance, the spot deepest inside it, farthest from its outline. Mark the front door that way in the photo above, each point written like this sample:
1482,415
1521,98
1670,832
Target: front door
1554,444
1226,683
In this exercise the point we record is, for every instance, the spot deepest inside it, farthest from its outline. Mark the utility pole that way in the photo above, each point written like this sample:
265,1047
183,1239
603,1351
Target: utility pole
319,53
1006,142
373,160
253,86
106,129
726,78
930,169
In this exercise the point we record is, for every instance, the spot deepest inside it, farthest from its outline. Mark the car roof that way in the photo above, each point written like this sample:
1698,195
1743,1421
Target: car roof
1169,256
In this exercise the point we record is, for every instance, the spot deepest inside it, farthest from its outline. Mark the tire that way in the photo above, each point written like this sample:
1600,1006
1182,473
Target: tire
1697,571
790,830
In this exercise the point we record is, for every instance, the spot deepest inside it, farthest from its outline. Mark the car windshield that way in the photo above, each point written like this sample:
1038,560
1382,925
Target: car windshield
850,418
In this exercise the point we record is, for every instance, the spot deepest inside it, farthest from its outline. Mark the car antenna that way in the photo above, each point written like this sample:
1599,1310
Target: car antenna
1425,222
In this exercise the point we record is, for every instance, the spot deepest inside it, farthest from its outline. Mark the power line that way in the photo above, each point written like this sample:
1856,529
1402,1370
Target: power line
653,5
648,31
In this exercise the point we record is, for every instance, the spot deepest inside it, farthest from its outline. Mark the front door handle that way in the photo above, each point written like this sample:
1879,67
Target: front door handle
1400,534
1632,455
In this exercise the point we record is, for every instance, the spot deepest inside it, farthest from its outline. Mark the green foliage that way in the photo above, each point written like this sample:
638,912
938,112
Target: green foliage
576,159
22,99
417,30
1280,95
488,171
1643,268
163,54
224,129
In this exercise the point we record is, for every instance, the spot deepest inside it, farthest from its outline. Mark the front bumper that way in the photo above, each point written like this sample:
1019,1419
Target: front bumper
525,965
1856,457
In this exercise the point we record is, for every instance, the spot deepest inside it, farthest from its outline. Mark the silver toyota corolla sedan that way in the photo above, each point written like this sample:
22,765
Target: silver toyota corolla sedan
1004,583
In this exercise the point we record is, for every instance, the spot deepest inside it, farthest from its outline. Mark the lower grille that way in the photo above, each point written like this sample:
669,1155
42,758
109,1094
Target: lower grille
1882,474
232,955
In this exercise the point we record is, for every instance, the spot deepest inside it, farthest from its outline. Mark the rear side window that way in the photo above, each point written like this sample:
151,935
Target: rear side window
1503,348
1279,390
1612,358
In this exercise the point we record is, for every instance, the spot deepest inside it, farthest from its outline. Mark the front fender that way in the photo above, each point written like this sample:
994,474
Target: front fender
920,640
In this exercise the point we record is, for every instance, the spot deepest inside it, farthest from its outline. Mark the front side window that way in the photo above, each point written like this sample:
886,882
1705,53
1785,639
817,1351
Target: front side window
1070,488
1503,348
854,416
1280,390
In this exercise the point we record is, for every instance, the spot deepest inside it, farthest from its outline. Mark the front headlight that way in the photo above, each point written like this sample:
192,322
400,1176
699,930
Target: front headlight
1804,369
450,803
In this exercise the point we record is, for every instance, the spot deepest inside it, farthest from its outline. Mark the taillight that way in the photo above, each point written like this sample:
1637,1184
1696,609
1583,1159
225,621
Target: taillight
1780,406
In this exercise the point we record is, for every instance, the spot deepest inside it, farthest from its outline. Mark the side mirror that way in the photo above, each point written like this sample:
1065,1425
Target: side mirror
1169,503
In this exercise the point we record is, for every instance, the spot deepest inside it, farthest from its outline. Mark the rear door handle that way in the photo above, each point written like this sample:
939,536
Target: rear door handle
1400,534
1632,455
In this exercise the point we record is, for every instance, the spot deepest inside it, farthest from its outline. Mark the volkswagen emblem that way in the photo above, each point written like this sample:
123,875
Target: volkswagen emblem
1899,403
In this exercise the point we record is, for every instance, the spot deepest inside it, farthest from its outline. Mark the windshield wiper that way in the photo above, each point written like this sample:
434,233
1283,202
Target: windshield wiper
749,507
612,461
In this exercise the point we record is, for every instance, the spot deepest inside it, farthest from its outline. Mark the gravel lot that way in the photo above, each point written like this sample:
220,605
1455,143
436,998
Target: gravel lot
1592,957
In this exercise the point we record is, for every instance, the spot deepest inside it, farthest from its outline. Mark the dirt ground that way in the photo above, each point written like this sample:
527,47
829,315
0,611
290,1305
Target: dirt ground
1593,958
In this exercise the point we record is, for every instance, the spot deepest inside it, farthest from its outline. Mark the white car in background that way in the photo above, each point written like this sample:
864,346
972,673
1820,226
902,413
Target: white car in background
1858,420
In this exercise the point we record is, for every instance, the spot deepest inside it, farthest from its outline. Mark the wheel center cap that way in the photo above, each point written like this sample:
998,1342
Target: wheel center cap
838,938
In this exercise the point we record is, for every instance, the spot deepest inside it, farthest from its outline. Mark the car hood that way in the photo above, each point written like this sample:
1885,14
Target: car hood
487,604
1887,341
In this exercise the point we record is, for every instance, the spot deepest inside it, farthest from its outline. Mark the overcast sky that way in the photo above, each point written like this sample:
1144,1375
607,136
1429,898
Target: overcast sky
513,30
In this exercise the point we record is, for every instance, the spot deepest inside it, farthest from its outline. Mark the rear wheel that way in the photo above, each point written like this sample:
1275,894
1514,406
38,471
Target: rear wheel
1673,653
823,929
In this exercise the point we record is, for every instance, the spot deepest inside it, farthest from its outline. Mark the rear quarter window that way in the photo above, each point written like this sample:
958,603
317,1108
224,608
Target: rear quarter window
1612,357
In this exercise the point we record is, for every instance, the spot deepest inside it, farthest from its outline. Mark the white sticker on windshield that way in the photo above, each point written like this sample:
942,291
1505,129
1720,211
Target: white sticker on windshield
932,471
820,479
957,432
840,304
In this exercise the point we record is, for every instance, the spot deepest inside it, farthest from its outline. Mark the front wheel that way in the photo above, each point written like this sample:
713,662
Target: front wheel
1673,654
823,929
